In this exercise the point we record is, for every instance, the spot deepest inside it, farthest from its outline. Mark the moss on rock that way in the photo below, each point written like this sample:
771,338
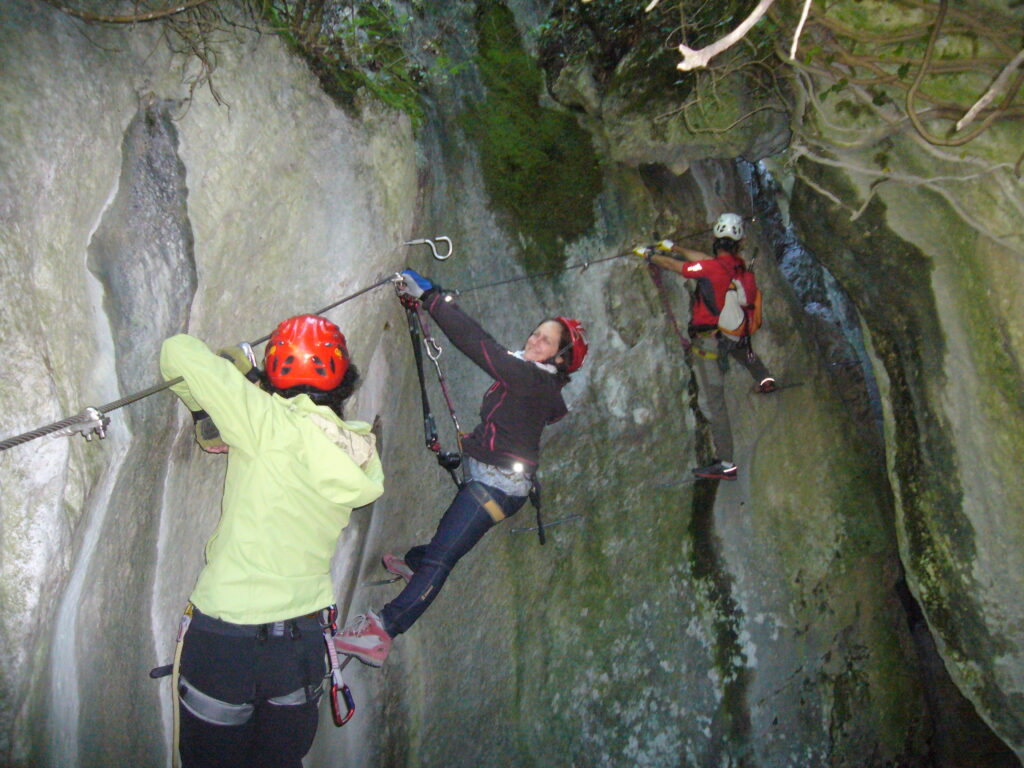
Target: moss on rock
891,281
540,168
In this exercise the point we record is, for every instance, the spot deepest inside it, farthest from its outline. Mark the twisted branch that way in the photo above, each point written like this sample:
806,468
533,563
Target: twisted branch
135,18
699,59
992,92
915,118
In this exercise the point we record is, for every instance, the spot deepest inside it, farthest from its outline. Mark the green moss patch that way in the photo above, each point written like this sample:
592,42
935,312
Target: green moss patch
540,168
355,51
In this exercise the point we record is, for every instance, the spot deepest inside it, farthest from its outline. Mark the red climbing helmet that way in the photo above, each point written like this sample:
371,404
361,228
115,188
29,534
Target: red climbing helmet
577,342
306,349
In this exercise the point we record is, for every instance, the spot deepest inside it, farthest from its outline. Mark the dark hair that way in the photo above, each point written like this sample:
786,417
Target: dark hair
725,244
564,349
333,399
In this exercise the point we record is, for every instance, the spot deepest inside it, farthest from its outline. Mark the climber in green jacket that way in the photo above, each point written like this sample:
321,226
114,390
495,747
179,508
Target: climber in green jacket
252,662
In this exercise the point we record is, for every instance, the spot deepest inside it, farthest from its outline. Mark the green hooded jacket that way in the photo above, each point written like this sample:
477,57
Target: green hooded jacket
295,471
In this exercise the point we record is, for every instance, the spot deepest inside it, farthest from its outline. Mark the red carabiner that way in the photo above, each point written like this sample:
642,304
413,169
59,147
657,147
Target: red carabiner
350,705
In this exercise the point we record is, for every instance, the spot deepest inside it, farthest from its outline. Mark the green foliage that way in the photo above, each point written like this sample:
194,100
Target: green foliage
605,32
539,166
353,47
622,41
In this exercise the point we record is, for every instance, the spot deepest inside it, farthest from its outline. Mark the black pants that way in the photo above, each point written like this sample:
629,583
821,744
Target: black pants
239,664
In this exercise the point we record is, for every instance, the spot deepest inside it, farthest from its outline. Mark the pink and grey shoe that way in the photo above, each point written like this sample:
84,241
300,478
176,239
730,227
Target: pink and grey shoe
396,565
767,386
365,639
720,470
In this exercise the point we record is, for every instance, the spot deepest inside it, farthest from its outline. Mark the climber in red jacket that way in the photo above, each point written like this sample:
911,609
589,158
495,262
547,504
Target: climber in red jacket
714,276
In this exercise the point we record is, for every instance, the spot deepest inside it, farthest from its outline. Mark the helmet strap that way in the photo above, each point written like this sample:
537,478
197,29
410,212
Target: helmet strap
566,350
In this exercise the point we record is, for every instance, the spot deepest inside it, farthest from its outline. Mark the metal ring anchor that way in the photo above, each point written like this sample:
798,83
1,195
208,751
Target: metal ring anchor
433,245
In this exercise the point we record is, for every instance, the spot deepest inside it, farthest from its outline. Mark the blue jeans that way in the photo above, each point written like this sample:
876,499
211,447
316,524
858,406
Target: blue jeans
476,509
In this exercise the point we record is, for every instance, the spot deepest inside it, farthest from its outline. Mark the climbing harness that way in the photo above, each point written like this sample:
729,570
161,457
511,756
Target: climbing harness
212,710
419,333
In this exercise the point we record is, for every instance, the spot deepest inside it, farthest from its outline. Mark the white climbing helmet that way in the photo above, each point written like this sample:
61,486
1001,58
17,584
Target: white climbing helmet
729,225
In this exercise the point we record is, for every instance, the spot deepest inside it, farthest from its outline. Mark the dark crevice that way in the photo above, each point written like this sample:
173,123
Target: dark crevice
829,313
731,726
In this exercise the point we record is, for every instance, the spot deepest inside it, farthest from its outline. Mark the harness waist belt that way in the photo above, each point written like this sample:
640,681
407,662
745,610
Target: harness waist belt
506,480
205,623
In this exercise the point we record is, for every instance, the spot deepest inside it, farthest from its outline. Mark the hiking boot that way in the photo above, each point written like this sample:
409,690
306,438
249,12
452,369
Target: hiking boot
365,639
396,565
720,470
767,386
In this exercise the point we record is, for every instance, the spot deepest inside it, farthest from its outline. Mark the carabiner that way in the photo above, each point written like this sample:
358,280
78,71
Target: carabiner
433,245
434,350
350,705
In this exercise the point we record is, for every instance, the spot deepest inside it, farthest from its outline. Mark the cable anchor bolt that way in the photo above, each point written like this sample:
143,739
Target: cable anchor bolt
432,242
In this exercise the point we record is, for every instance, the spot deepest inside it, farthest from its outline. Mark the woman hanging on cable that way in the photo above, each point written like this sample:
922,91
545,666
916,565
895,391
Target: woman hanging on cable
499,457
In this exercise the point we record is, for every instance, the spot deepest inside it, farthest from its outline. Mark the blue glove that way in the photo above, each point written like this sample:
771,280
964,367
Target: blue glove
414,285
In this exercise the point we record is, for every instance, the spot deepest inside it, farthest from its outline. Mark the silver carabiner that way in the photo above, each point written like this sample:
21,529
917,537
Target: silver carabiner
434,350
433,245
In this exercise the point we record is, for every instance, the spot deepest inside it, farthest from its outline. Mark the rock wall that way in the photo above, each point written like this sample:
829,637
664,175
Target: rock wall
132,212
759,623
924,233
673,624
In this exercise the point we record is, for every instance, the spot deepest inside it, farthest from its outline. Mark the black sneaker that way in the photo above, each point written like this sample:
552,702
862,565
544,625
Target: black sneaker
720,470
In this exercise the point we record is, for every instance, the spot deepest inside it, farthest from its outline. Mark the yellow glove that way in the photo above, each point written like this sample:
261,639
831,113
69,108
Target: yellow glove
244,359
207,434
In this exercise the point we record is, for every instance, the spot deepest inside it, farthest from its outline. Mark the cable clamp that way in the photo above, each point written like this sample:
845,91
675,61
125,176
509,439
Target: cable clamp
90,422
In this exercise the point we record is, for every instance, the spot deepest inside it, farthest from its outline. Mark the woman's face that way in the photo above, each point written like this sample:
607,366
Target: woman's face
543,342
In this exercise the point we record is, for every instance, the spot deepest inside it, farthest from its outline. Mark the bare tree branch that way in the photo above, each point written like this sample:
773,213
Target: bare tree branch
699,59
132,19
799,29
992,92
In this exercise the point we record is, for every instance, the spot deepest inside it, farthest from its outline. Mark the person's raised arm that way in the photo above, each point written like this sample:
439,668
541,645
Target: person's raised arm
215,385
466,334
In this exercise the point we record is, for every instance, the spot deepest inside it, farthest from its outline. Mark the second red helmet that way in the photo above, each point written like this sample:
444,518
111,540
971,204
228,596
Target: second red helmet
306,350
577,342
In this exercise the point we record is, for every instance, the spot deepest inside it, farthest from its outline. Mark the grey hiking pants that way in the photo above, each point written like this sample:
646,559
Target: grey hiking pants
712,366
